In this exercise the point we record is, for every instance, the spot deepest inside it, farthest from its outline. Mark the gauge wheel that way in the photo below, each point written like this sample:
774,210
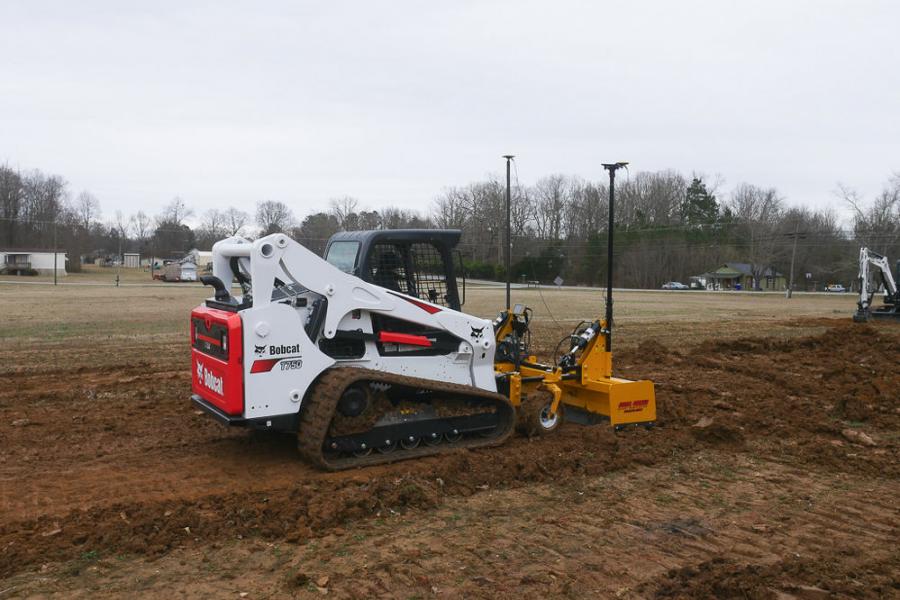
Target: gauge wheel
534,417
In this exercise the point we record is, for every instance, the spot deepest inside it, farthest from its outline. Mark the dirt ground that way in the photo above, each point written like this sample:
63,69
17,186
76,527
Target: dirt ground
772,473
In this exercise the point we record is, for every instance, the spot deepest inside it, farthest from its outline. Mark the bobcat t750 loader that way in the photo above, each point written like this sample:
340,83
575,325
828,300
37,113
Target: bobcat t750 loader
367,357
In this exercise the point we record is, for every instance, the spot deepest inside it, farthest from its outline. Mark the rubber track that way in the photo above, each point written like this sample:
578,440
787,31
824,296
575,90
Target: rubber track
319,407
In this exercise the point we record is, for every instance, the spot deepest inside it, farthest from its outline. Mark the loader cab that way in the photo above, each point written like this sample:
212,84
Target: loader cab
415,262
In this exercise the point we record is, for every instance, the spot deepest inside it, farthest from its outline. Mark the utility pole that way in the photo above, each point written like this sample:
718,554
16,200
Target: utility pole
54,251
796,235
508,252
612,168
119,258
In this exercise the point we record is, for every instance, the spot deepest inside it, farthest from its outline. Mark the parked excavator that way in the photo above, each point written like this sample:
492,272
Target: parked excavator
874,274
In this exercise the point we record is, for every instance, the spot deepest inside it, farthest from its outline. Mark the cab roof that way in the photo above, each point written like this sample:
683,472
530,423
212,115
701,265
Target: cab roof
445,237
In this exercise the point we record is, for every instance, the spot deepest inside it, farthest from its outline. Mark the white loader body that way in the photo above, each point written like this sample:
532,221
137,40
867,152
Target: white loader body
299,303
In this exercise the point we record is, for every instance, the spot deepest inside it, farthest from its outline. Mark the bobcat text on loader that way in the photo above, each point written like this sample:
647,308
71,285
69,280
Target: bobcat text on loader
367,357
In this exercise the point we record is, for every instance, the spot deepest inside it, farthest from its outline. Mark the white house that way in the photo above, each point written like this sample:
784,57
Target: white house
25,261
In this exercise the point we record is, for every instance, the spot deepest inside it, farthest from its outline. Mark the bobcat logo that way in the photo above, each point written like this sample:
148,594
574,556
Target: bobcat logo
209,379
260,350
477,333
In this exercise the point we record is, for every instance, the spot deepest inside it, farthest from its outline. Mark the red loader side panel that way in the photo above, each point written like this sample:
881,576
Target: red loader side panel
216,358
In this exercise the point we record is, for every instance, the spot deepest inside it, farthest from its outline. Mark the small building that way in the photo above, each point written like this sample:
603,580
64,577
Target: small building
25,261
188,271
131,260
739,276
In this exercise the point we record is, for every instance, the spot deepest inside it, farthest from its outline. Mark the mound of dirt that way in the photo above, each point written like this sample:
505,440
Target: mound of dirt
714,431
853,409
795,395
653,351
843,574
718,578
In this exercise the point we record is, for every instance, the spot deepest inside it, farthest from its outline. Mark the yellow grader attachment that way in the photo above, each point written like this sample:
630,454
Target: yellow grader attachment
580,383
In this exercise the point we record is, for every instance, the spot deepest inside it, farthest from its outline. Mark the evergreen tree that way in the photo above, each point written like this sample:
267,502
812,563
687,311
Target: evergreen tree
700,207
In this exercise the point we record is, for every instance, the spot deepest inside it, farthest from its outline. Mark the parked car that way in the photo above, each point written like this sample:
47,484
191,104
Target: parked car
835,287
674,285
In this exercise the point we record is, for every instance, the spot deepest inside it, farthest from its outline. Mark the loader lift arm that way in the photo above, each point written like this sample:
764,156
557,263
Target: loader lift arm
868,262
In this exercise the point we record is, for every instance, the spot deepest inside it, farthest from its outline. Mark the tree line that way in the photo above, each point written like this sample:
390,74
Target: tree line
668,226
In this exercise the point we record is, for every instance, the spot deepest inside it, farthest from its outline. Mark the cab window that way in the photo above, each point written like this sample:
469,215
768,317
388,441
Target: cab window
343,255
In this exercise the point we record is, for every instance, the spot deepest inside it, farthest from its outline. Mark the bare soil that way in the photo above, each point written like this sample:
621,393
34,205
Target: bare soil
756,483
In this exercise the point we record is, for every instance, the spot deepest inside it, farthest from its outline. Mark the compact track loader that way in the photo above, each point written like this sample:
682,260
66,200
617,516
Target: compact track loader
368,358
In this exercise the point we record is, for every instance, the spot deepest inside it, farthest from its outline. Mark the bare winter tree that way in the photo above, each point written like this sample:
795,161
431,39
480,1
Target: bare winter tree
652,199
342,208
273,217
213,227
87,208
172,236
176,211
142,226
551,195
877,225
214,222
392,217
450,210
44,197
11,205
235,220
479,209
487,208
757,211
121,225
821,246
587,209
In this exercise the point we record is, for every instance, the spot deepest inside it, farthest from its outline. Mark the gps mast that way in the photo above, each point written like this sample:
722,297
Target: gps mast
612,168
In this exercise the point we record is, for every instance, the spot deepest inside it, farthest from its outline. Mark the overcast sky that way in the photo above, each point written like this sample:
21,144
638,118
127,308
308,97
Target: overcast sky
228,103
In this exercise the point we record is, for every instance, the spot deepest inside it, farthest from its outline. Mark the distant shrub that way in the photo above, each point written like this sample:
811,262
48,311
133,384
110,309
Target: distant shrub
479,270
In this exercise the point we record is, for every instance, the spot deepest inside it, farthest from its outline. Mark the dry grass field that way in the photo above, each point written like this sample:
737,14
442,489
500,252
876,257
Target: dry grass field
772,474
89,304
